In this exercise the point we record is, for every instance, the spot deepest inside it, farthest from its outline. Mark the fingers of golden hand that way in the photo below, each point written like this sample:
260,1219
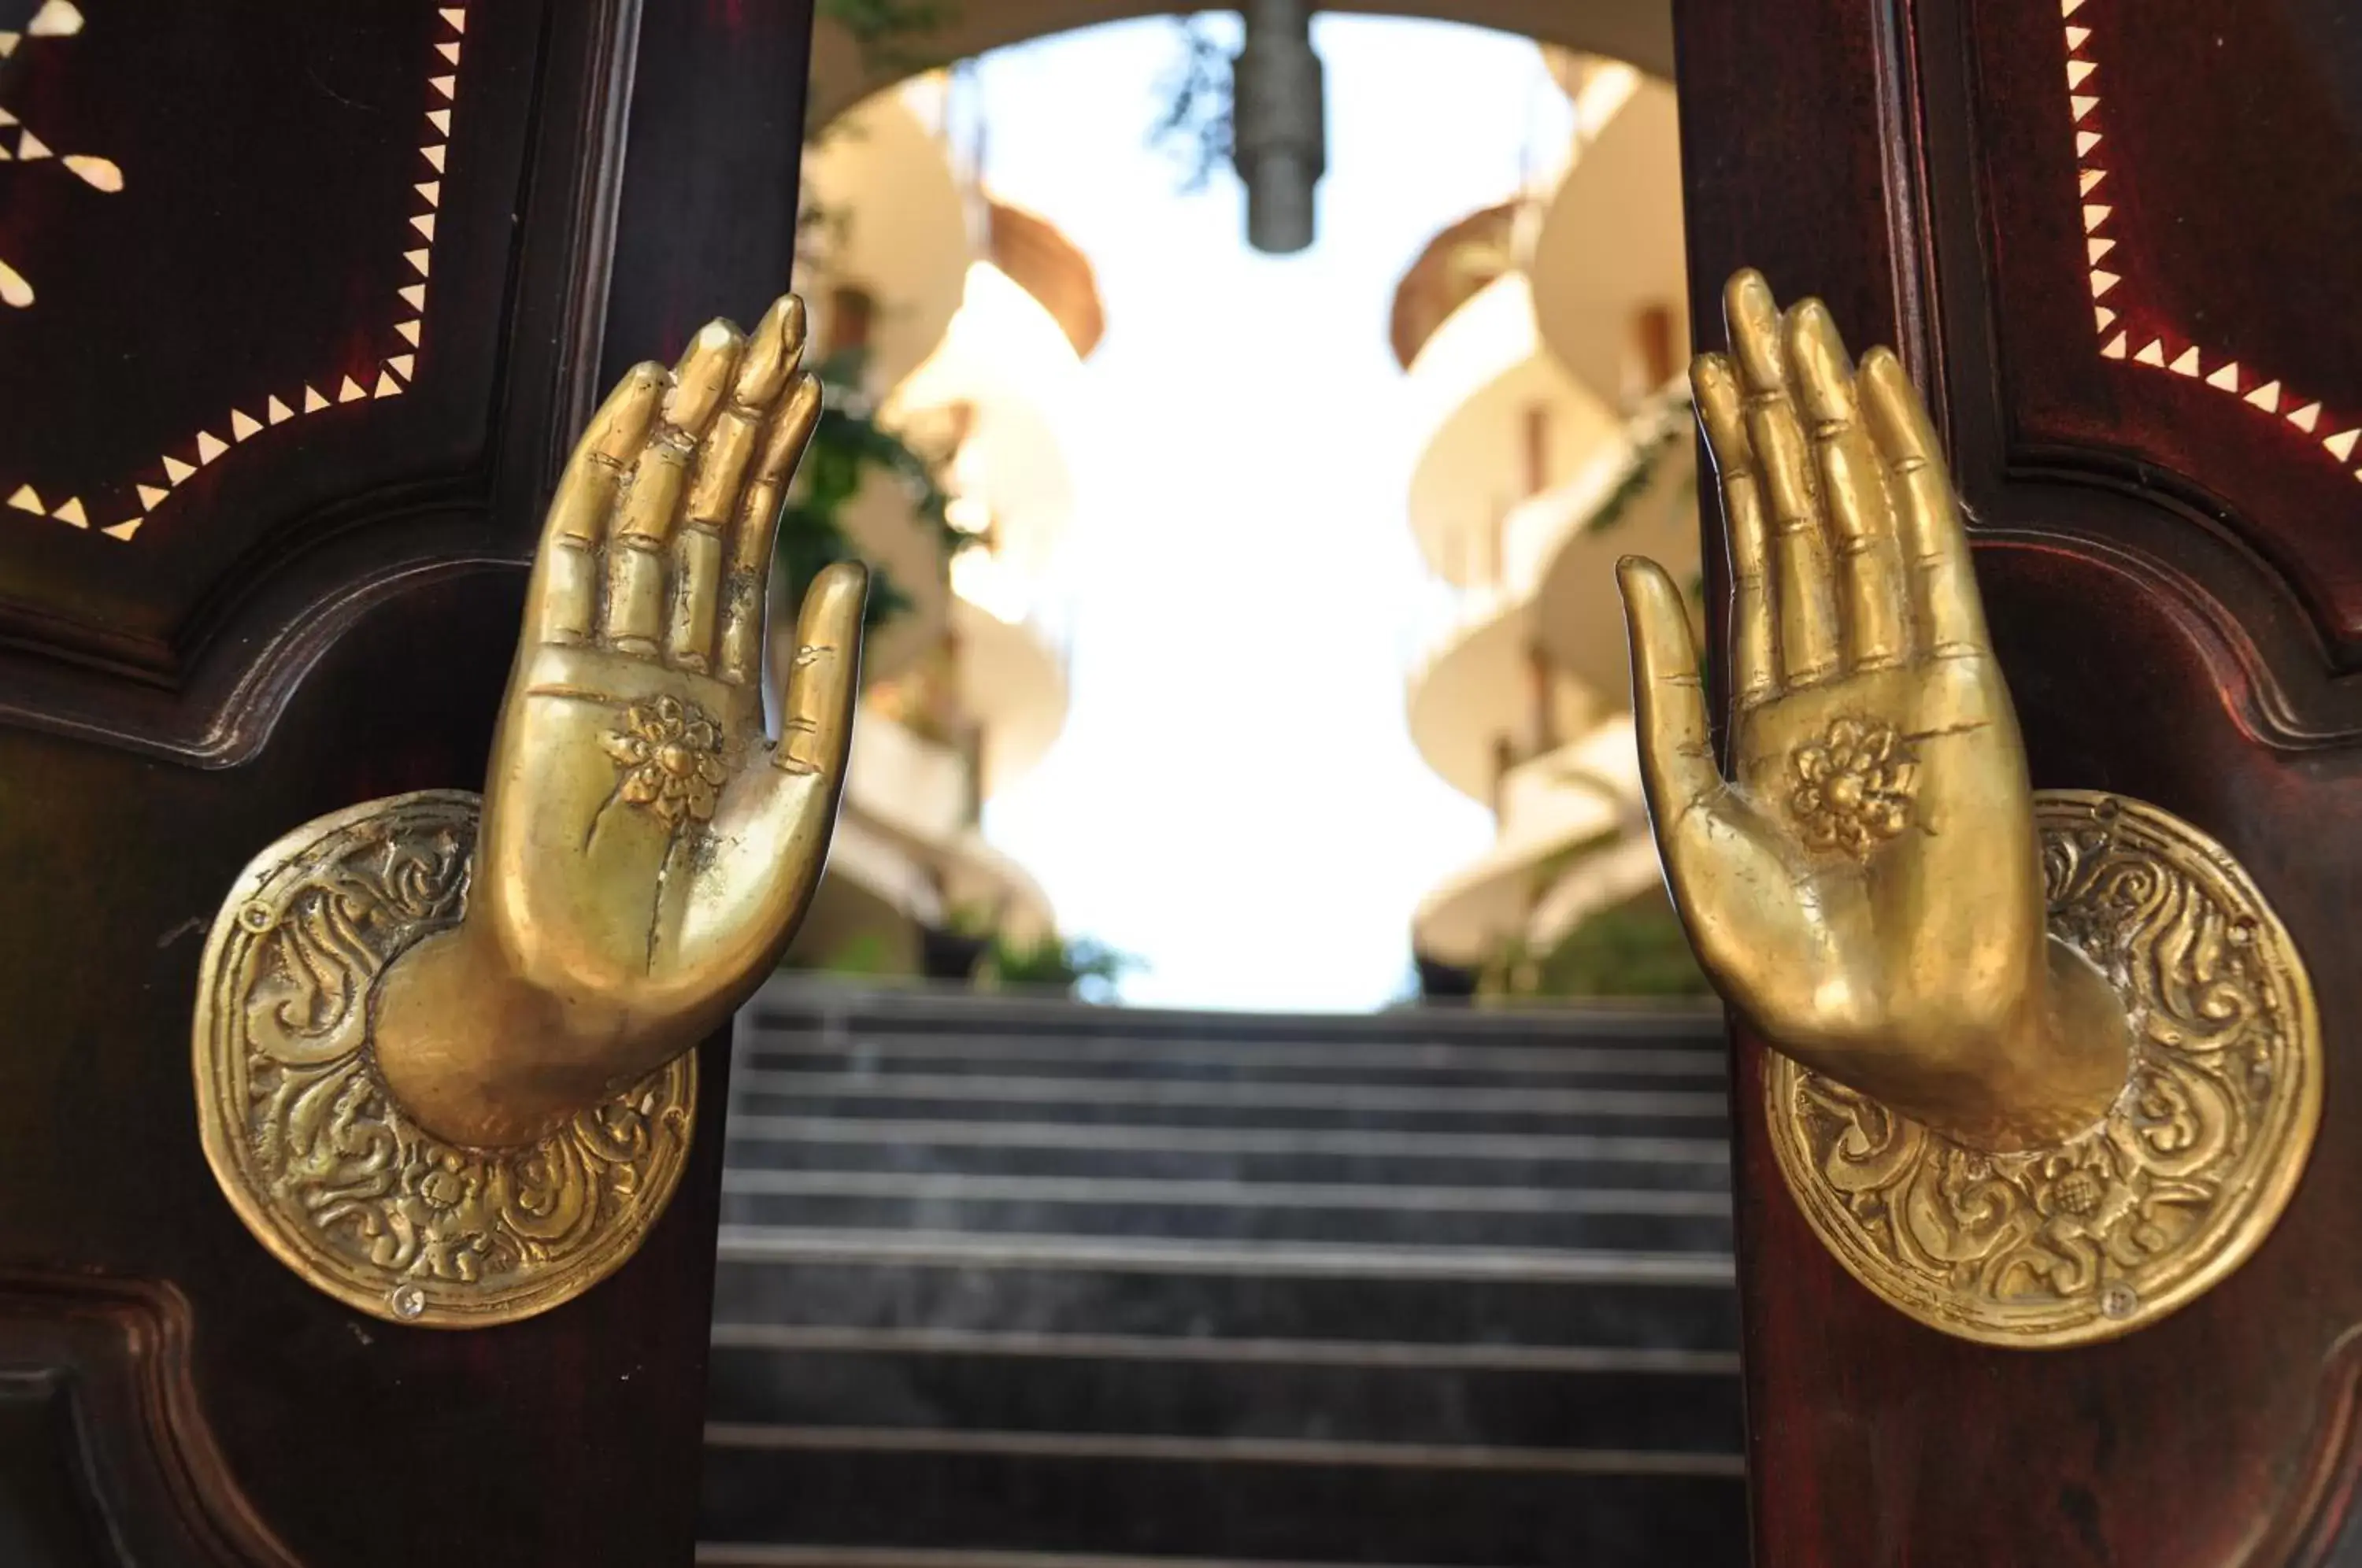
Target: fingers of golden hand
1935,541
565,593
1855,506
747,567
1669,713
825,677
1846,546
1754,641
645,536
1804,605
639,538
701,551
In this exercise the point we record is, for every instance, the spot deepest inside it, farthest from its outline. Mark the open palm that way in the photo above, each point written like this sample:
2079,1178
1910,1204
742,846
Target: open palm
646,847
1867,886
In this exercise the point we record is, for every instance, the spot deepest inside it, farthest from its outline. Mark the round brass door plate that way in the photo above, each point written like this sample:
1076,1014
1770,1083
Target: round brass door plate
311,1150
2171,1191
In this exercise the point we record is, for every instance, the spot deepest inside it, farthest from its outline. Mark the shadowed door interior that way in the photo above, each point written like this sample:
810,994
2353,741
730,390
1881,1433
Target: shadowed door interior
300,309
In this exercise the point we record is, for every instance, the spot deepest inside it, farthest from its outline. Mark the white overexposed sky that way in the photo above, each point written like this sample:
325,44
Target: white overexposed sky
1235,797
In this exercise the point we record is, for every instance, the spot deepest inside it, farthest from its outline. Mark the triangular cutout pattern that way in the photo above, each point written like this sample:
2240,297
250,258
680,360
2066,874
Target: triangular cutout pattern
2268,394
63,17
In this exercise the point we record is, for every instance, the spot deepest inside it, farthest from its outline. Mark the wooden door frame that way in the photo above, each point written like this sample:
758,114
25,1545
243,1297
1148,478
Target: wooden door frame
1831,140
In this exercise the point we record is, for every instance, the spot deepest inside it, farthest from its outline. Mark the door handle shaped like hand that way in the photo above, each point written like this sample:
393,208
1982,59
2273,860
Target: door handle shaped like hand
2046,1067
444,1047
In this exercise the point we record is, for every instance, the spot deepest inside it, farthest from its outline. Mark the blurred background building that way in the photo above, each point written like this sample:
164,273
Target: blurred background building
1545,342
949,329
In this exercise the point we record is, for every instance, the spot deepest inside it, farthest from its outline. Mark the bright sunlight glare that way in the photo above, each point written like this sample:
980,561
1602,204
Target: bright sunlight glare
1235,797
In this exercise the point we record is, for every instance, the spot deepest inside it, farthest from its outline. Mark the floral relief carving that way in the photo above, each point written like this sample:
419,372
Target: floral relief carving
2169,1191
402,1224
670,755
1854,786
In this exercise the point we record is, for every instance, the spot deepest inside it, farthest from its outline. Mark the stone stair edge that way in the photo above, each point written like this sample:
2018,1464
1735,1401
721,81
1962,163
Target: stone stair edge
806,995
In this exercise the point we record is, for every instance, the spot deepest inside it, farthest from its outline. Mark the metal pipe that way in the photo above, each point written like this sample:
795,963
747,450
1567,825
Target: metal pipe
1278,134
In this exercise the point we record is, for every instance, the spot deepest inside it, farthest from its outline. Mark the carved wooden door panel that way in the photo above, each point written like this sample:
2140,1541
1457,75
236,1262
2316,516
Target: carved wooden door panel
2115,243
300,307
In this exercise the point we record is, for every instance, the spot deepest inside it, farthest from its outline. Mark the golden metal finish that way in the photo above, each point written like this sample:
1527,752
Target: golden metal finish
320,1161
2108,1231
441,1072
1869,889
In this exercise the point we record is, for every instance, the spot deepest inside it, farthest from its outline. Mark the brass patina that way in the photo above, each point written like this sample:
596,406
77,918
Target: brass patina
2090,1019
440,1046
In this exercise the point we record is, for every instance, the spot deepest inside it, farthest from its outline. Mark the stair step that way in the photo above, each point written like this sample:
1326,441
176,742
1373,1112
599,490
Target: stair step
1676,1116
841,1285
1656,1221
1156,1194
742,1244
1572,1067
1359,1158
1218,1390
1528,1099
797,1003
1337,1502
763,1554
1023,1283
1455,1355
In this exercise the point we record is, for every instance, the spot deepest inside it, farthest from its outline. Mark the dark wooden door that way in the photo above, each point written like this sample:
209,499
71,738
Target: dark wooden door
2117,246
300,306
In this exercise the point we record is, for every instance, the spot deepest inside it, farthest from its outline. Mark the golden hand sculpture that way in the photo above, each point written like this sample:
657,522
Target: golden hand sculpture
442,1043
645,849
1868,887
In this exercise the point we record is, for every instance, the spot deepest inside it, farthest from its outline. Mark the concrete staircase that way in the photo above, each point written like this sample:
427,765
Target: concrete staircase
1032,1285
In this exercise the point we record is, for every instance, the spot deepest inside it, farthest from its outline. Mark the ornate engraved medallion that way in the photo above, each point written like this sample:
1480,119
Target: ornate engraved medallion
2120,1225
312,1153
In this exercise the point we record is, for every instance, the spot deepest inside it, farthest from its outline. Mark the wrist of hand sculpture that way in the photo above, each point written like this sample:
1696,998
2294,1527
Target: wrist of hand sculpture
439,1048
2052,1066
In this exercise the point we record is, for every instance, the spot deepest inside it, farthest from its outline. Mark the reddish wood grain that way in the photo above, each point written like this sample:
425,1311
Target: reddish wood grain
2163,632
341,627
2232,142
